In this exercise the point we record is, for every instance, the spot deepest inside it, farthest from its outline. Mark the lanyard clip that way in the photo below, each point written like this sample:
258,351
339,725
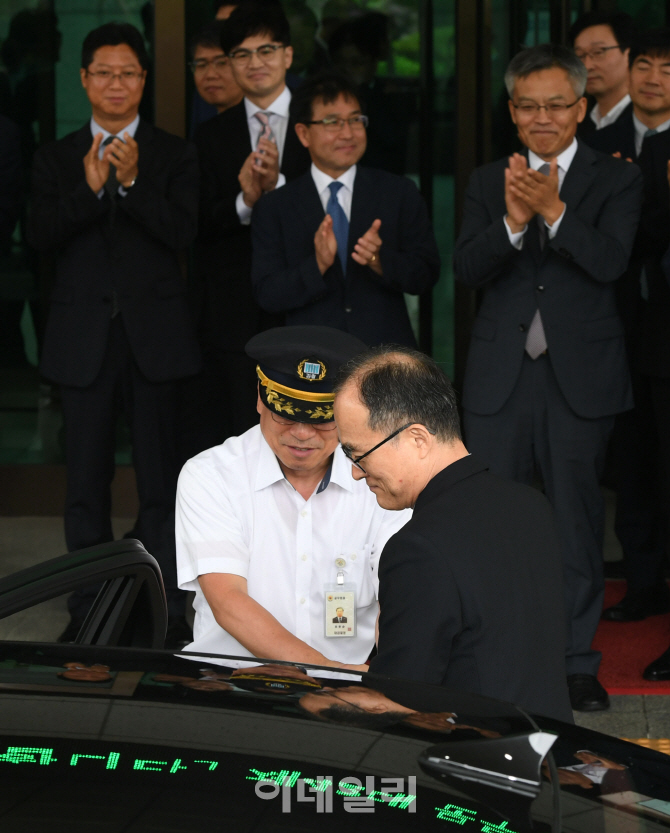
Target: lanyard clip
340,577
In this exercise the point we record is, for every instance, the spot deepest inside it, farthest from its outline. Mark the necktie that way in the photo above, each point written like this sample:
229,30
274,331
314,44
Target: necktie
112,188
539,219
112,183
536,341
266,131
651,132
340,223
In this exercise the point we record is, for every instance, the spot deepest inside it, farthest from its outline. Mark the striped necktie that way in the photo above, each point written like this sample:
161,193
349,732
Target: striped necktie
536,341
340,223
266,131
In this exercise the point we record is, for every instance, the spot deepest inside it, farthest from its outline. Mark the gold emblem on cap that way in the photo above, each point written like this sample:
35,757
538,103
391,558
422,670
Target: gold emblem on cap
312,370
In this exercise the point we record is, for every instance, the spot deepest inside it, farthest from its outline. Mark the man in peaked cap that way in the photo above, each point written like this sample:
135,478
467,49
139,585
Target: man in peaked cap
273,534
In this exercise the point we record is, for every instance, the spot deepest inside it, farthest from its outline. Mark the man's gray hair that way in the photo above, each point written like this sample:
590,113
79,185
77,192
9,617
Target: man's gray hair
546,56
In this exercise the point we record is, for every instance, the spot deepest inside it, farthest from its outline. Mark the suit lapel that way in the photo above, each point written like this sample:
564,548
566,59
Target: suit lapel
580,175
363,198
307,202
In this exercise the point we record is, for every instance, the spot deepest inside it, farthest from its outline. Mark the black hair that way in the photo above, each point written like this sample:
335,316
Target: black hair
113,34
622,25
654,43
255,18
326,86
209,36
399,385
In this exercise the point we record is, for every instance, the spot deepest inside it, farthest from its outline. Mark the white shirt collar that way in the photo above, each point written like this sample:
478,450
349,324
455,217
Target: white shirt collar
279,107
322,180
611,116
130,129
564,159
269,471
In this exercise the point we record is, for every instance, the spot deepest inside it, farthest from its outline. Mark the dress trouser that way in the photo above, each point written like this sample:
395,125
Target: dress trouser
639,523
90,417
660,395
536,432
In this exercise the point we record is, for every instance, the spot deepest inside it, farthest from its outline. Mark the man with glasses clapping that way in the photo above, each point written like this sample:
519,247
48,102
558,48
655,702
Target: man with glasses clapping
341,244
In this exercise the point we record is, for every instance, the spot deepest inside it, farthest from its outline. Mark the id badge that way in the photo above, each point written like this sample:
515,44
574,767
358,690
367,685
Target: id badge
340,610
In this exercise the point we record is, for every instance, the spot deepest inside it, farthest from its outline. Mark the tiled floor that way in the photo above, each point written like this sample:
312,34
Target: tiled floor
27,541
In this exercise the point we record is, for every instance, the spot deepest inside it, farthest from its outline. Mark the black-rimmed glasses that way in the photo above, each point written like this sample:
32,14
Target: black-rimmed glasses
356,461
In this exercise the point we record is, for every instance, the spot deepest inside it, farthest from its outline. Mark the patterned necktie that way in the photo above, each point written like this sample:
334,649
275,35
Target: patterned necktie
266,131
340,223
651,132
539,219
112,183
536,341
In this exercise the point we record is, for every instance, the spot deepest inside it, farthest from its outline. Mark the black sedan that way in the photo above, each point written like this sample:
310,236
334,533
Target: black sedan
112,733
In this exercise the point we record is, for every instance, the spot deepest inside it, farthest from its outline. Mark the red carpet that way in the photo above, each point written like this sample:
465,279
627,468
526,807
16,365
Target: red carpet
628,648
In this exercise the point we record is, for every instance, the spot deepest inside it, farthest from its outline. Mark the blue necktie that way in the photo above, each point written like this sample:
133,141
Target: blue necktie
340,223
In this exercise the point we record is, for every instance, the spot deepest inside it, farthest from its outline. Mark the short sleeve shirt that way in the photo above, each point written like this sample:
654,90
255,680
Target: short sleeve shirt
237,513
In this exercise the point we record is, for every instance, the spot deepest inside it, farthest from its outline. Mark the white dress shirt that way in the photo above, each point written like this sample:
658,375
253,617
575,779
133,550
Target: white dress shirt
612,116
641,129
535,162
237,513
344,194
278,115
130,130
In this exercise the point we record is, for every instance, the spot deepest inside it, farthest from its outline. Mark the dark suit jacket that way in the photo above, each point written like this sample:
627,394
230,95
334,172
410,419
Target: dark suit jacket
616,137
464,606
286,277
646,323
129,245
571,281
586,129
229,314
10,181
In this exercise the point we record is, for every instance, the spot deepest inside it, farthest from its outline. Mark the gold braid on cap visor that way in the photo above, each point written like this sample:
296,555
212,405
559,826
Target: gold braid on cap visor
273,391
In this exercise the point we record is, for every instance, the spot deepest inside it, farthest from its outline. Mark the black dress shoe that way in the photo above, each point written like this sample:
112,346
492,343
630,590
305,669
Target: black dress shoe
638,604
659,669
586,693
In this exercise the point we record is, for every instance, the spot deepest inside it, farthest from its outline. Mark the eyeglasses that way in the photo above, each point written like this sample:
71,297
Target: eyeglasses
596,54
553,109
266,53
321,426
356,461
203,64
334,125
106,76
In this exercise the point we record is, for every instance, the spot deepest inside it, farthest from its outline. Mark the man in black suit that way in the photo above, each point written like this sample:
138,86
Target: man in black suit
642,135
116,202
239,160
545,234
340,245
470,589
602,41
